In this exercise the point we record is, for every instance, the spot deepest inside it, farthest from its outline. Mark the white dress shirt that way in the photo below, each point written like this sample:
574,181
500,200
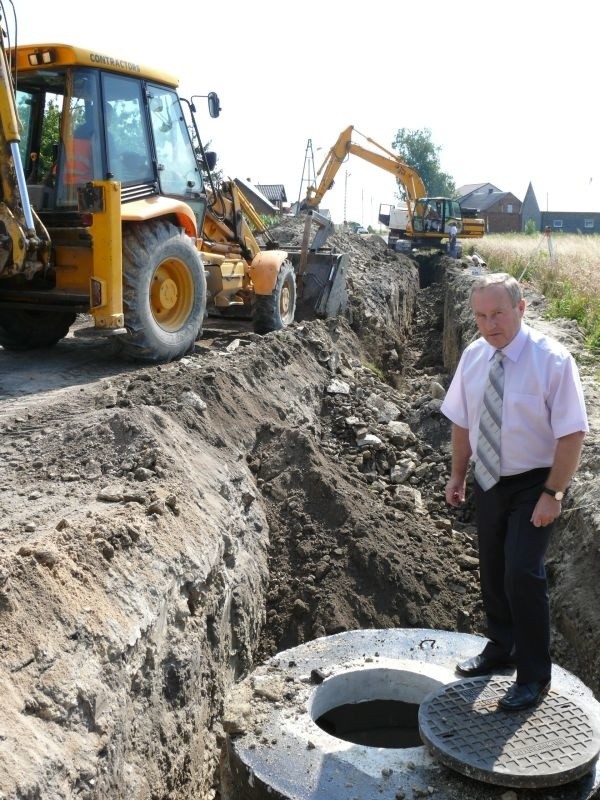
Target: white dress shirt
543,398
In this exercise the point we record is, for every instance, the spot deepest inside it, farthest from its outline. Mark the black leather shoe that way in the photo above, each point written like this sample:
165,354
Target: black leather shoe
524,695
481,665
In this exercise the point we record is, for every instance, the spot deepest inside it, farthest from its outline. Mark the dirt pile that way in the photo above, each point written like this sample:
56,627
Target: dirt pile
163,529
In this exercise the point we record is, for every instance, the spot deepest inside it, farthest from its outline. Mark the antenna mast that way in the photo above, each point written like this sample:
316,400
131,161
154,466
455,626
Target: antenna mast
309,176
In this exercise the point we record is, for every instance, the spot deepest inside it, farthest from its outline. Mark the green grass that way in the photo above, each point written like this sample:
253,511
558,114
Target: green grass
375,369
565,268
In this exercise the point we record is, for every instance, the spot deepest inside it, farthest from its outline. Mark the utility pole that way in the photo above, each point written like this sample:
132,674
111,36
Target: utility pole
362,205
347,175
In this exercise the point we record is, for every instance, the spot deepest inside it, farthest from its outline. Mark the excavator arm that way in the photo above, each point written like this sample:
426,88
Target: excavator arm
385,159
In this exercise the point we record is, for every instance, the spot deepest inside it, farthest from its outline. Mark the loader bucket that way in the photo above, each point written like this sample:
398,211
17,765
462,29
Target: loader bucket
320,272
321,284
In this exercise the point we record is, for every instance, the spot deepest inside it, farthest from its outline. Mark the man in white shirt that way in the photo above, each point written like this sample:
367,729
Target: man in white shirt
542,423
452,243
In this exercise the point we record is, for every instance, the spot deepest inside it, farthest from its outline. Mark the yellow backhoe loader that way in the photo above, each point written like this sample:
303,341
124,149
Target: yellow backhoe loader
105,210
424,222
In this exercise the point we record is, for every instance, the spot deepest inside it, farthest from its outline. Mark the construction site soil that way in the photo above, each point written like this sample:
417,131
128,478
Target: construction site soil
166,528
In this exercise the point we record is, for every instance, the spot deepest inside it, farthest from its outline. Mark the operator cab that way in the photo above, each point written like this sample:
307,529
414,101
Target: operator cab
434,215
83,124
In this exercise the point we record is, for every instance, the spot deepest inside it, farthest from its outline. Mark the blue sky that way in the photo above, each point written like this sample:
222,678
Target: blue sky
508,91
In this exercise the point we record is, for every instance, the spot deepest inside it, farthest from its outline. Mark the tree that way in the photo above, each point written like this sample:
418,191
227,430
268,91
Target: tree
530,227
416,148
49,138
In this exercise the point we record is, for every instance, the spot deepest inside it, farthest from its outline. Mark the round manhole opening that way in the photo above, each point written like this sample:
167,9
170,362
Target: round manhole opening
374,723
373,707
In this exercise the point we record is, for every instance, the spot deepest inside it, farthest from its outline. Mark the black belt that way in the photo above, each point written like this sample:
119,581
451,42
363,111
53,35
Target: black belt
542,472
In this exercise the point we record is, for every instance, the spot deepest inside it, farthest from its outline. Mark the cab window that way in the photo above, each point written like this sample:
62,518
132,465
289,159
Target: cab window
80,157
127,144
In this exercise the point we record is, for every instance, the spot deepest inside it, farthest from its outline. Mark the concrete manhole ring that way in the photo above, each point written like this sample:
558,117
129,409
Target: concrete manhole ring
550,745
308,724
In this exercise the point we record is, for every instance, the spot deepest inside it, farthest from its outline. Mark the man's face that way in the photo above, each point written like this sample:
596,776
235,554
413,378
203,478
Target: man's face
497,319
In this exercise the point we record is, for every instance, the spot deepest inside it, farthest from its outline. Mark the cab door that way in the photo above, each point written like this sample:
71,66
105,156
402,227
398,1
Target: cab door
128,143
178,168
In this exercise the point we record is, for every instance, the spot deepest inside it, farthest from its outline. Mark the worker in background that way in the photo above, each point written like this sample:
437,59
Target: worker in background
452,243
79,136
433,221
518,412
78,161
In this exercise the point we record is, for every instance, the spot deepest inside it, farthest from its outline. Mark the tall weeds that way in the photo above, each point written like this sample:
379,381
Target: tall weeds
563,267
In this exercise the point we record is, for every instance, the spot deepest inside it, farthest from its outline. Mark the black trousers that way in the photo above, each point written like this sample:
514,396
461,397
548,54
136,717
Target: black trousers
512,573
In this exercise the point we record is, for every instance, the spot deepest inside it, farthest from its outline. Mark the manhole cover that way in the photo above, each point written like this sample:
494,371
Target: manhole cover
549,745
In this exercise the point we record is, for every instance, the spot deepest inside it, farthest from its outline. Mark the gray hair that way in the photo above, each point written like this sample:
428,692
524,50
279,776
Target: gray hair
499,279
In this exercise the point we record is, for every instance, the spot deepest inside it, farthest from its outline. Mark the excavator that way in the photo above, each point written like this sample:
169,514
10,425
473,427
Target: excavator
109,210
424,222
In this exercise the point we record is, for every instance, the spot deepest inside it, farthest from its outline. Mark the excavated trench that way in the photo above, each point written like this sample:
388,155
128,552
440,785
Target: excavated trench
441,327
167,530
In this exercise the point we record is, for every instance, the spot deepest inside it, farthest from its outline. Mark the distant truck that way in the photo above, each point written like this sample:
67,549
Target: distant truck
395,218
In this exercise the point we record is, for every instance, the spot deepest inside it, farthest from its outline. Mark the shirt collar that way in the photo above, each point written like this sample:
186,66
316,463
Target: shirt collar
514,348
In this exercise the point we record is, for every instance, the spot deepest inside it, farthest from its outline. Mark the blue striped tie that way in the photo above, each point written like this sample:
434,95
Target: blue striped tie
487,464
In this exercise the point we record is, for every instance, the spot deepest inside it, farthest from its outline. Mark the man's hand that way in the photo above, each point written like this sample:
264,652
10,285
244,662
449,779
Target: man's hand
546,510
455,491
461,452
566,460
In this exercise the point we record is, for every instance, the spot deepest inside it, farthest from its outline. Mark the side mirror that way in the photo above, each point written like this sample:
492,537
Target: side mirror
214,105
210,160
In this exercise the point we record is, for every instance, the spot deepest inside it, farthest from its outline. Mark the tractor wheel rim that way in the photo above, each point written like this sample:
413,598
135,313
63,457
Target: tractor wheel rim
171,294
284,304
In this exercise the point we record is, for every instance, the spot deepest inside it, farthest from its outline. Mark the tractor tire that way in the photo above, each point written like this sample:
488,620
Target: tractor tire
277,310
22,329
164,292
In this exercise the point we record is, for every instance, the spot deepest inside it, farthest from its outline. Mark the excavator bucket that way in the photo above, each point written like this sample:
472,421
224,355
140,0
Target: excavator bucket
320,273
321,286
